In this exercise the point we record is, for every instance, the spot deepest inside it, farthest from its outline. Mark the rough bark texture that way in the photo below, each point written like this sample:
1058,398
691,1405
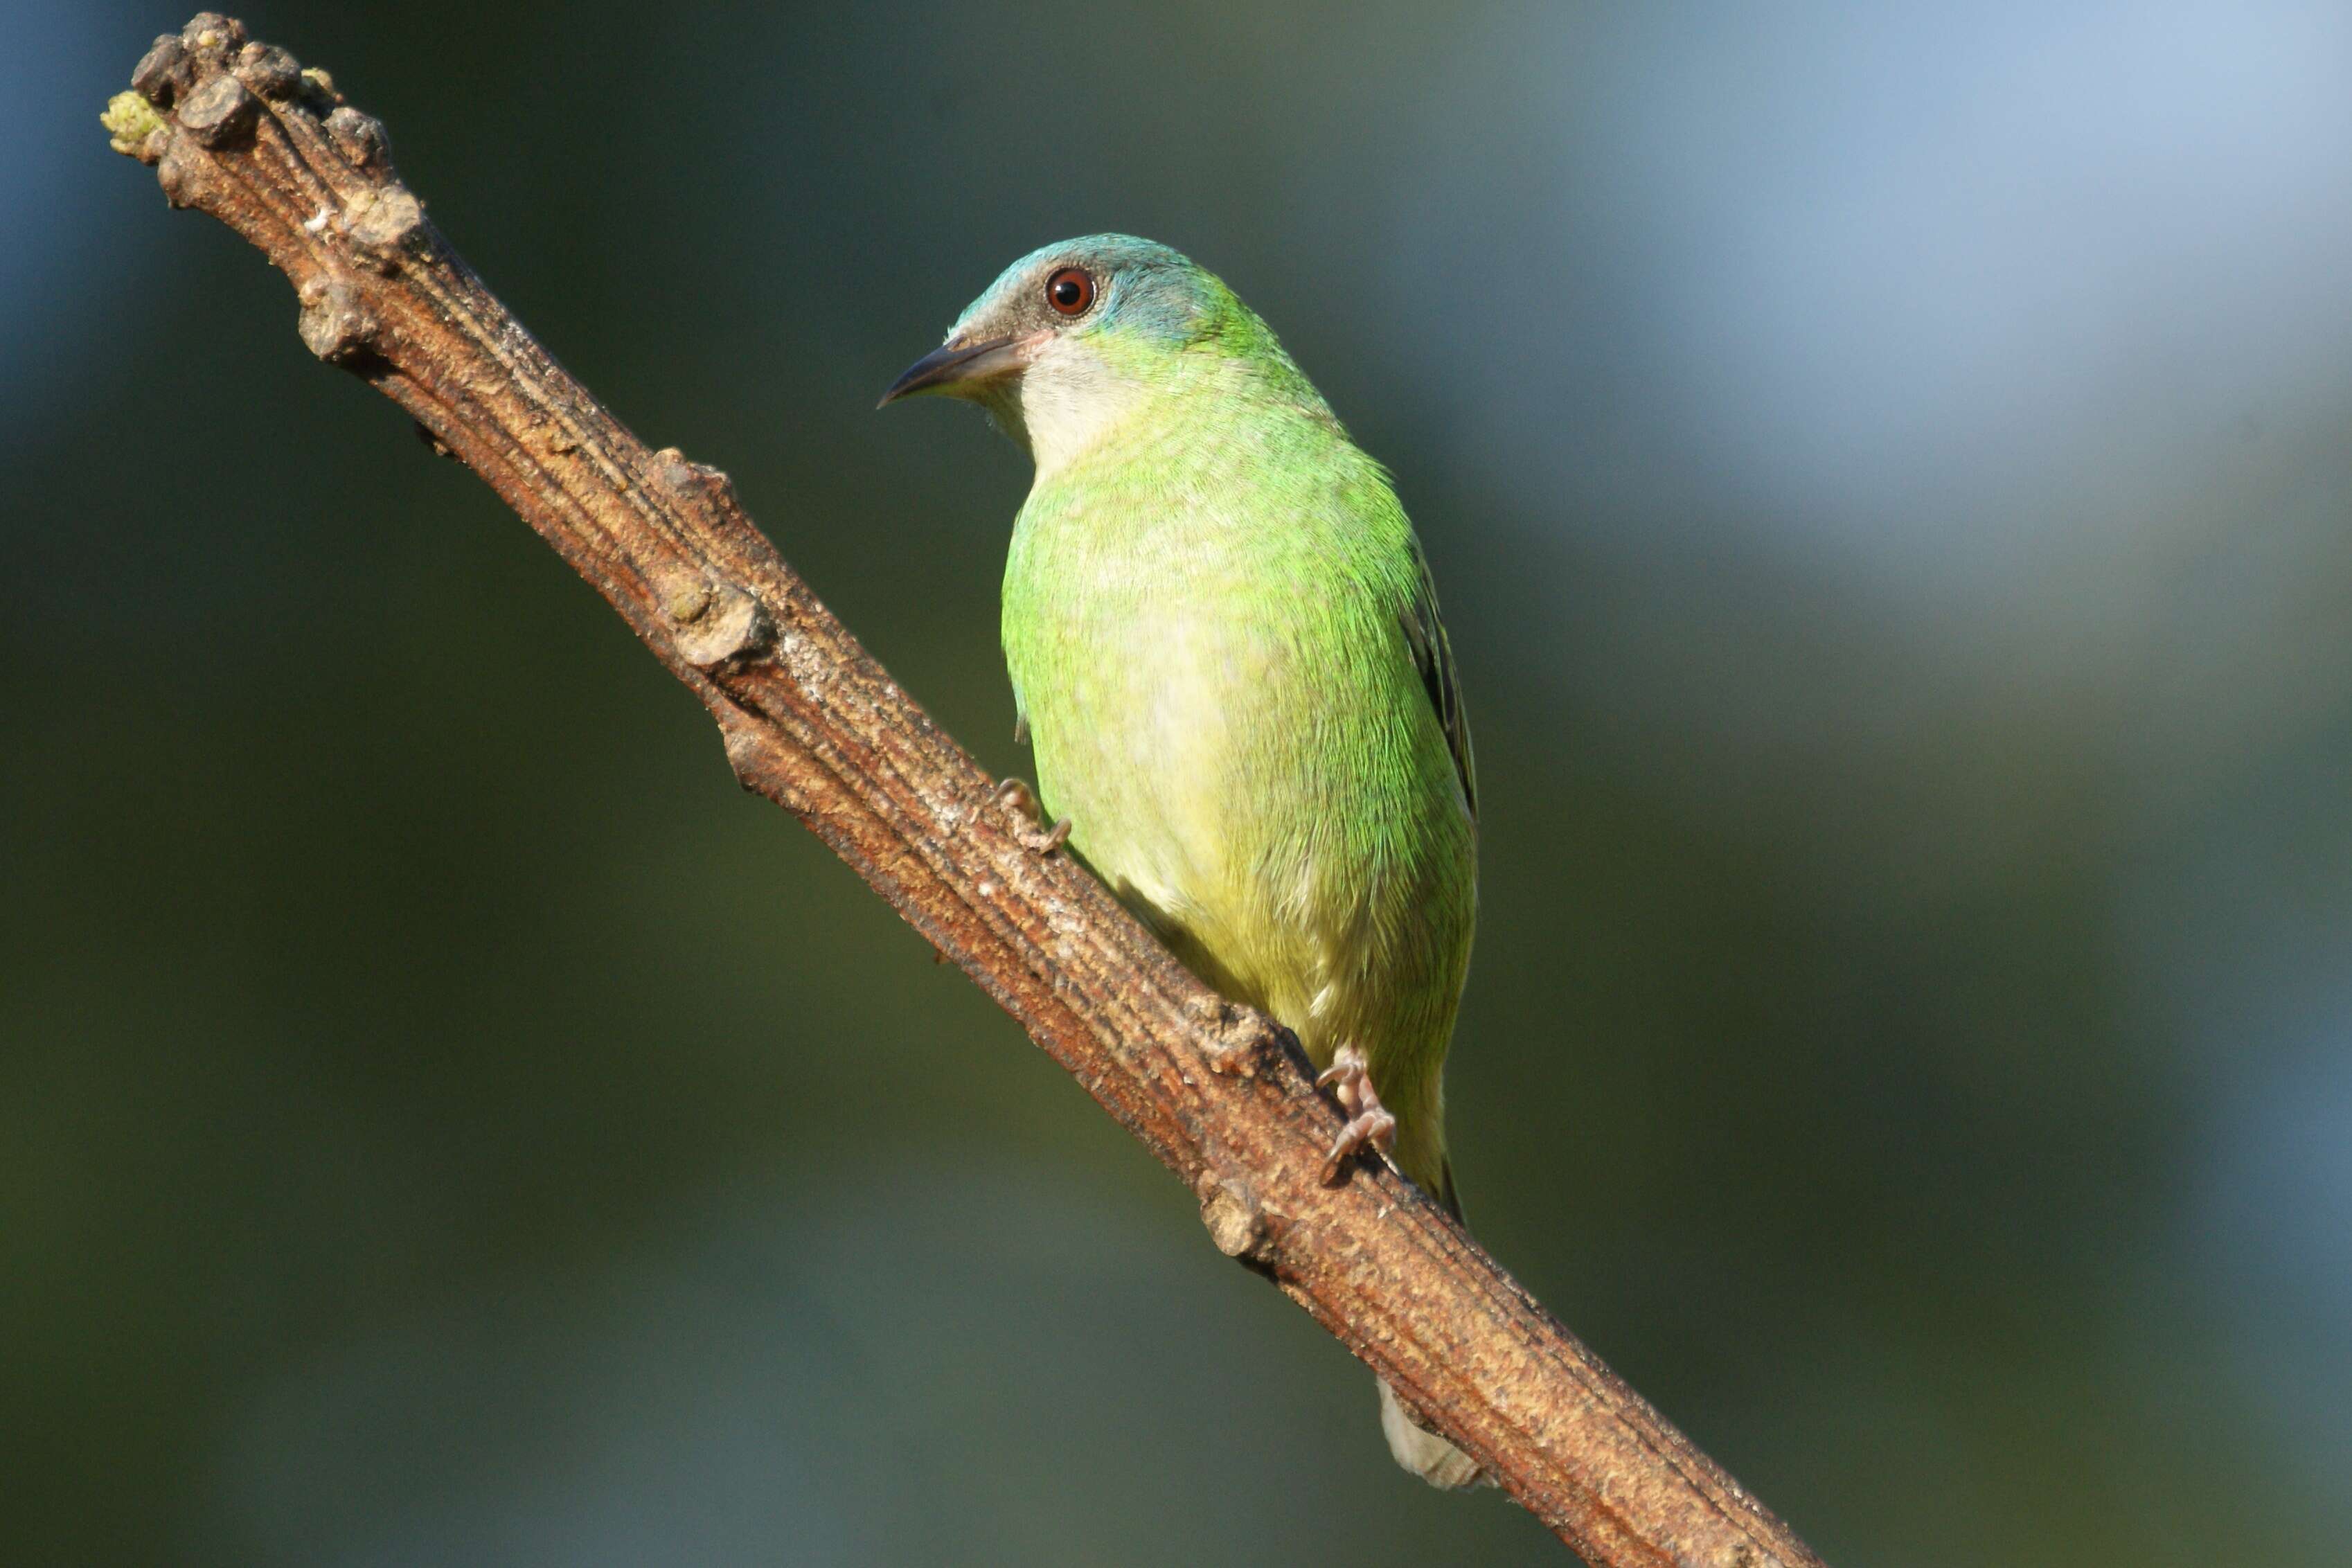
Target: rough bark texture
236,129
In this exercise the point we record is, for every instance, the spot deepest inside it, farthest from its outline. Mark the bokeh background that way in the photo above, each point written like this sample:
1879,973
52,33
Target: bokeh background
1887,469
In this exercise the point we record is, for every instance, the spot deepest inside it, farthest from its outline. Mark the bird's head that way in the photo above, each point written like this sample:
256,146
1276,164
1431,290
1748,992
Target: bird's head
1067,338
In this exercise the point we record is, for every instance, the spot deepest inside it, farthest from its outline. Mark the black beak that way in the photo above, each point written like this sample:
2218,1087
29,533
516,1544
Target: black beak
943,367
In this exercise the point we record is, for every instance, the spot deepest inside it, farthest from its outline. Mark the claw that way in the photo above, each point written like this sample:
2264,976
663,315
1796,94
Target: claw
1370,1129
1016,794
1043,840
1370,1125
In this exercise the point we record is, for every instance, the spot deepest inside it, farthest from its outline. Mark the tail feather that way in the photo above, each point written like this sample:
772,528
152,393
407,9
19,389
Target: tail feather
1424,1452
1447,1194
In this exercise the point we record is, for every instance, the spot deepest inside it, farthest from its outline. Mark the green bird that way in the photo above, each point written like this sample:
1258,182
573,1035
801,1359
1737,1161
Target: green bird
1226,650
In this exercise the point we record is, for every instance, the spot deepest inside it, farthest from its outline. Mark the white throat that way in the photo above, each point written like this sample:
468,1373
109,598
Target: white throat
1065,402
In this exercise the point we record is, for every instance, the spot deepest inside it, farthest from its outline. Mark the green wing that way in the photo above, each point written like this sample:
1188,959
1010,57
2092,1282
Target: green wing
1425,632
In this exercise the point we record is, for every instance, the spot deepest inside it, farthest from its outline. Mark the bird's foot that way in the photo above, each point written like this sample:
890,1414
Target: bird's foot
1016,796
1370,1125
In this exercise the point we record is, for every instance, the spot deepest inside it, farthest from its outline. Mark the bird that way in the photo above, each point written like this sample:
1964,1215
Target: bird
1226,656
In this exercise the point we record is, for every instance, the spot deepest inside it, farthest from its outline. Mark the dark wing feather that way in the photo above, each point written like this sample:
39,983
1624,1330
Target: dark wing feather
1425,632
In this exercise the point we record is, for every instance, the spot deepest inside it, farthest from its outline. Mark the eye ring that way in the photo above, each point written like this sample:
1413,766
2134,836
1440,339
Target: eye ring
1070,291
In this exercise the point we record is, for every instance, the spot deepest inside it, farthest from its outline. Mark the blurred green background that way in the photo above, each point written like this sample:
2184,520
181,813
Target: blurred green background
1887,471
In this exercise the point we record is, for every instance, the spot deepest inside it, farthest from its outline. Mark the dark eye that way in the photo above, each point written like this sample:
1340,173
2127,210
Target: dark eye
1070,290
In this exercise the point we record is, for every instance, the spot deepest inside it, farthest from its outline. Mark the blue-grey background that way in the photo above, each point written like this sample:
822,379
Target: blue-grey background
1887,469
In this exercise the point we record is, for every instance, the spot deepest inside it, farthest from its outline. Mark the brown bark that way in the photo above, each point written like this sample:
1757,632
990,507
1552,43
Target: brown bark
237,130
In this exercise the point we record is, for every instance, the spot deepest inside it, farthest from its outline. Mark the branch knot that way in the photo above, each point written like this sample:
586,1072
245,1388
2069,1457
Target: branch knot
1241,1041
221,113
383,223
269,71
336,324
1238,1223
715,622
210,33
360,138
164,72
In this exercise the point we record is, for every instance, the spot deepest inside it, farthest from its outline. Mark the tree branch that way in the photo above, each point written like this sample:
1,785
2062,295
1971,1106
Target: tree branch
1220,1094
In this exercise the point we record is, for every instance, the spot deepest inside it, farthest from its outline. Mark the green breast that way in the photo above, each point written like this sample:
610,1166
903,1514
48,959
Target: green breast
1208,641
